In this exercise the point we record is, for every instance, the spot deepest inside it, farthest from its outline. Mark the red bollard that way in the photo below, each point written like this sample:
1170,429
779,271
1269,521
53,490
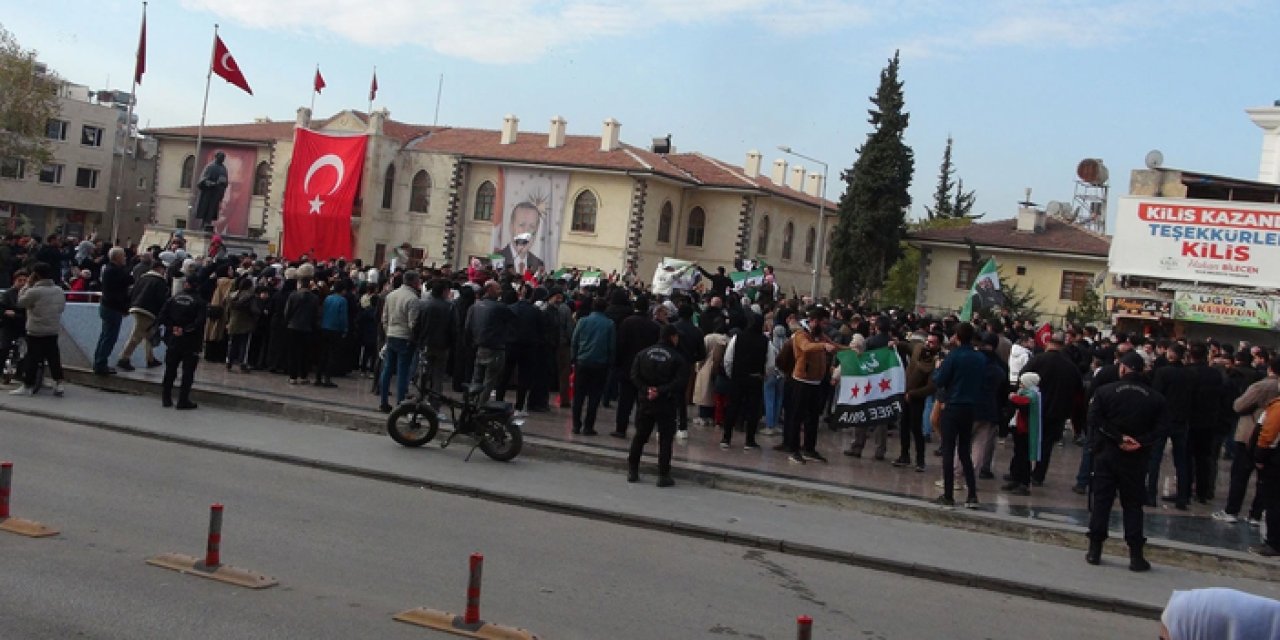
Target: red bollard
212,556
6,480
804,628
472,615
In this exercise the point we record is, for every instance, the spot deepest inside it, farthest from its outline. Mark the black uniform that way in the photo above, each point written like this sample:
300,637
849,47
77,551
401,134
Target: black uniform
663,367
185,311
1131,408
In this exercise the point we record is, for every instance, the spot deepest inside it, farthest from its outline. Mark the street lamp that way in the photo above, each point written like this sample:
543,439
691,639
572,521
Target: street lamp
822,217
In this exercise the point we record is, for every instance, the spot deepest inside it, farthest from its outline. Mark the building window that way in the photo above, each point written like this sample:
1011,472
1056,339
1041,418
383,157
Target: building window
13,168
56,129
261,178
965,274
788,236
91,136
1022,271
584,212
142,183
697,226
485,196
51,174
810,245
87,178
188,167
388,186
379,254
420,193
664,223
1074,284
762,241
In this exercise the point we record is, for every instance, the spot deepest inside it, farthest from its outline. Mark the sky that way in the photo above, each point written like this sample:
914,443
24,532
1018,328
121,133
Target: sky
1027,88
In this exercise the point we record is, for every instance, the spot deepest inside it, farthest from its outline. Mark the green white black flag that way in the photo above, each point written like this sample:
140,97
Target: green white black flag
985,292
871,388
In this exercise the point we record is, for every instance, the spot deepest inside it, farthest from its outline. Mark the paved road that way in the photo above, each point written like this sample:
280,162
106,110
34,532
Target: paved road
350,552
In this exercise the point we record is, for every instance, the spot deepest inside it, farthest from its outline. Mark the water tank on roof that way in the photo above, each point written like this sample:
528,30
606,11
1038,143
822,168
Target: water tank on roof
1092,171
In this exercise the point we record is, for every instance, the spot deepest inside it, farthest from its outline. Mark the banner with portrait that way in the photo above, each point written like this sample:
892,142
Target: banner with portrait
529,201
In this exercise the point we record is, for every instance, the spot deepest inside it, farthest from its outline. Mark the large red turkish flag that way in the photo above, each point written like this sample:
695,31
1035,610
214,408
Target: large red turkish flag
324,178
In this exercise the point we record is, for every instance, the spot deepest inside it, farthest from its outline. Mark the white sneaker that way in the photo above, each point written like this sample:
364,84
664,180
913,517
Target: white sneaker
958,486
522,414
682,435
58,390
24,390
1223,516
1255,522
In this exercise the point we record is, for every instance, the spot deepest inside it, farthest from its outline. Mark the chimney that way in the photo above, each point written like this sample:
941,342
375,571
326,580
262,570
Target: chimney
510,128
797,178
377,120
779,176
752,166
304,118
813,186
1030,220
609,137
1268,118
555,136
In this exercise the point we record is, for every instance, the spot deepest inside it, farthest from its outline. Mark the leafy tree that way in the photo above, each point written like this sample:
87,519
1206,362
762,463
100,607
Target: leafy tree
947,204
28,100
1021,305
904,277
1089,310
873,210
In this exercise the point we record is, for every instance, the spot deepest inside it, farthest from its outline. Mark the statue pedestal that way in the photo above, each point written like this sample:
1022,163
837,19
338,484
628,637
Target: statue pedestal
198,241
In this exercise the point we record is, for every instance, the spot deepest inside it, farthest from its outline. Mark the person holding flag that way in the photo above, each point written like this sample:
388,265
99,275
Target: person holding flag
985,293
1028,434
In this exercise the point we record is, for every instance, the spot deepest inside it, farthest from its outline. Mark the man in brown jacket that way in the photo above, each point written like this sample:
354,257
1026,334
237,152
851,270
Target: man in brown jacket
811,348
1248,407
920,387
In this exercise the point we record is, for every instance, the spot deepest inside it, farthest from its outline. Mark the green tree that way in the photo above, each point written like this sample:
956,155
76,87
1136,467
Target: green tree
28,100
873,210
1089,310
950,200
904,276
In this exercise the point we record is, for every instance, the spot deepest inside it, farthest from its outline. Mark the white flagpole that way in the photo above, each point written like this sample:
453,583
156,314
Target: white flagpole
195,166
439,90
128,129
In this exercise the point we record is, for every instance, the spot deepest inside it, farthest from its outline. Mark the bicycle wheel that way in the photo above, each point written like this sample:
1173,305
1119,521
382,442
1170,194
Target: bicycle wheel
412,425
502,441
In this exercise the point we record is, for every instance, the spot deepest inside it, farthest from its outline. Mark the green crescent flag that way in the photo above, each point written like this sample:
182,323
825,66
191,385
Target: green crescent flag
985,292
872,386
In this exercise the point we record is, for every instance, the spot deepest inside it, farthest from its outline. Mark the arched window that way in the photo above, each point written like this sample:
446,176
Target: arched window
484,201
188,167
388,186
788,234
810,245
261,178
420,192
584,212
762,242
697,226
664,223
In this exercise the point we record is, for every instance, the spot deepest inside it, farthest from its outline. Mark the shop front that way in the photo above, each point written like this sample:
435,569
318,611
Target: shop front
1227,315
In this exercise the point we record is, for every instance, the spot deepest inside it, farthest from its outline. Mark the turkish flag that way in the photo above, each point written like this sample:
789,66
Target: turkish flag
140,66
373,87
1043,334
324,178
318,83
225,66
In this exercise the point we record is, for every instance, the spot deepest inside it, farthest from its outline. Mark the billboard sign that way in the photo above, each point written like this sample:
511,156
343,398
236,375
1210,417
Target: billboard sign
1250,312
1236,243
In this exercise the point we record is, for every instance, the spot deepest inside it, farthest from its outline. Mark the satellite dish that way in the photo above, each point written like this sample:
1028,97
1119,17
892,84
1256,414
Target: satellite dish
1058,209
1154,159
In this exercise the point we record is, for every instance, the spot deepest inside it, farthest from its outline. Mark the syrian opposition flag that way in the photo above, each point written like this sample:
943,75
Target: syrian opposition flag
324,178
590,279
225,65
746,279
985,292
1035,425
872,386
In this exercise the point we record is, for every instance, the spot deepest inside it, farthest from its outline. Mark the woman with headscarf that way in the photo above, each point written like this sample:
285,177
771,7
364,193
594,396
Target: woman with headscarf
1219,614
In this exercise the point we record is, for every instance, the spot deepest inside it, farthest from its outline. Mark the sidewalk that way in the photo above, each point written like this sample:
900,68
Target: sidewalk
912,548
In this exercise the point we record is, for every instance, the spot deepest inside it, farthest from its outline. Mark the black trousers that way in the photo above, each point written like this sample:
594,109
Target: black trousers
626,403
1200,453
1269,487
187,358
1241,471
802,416
648,415
913,430
1052,434
328,354
588,387
41,350
296,353
742,411
1115,471
1020,464
957,429
236,351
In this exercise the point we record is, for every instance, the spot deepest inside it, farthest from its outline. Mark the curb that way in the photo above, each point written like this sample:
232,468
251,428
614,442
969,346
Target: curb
1162,551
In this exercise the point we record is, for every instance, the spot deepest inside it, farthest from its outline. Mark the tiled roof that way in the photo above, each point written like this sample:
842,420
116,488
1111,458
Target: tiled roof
1057,237
712,172
282,130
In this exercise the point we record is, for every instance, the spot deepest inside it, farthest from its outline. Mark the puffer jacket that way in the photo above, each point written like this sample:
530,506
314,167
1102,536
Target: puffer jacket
44,302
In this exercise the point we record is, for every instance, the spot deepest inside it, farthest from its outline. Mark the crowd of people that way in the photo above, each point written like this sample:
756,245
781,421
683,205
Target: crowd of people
747,361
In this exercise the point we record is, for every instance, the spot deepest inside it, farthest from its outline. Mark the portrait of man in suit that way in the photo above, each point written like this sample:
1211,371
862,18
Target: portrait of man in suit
523,225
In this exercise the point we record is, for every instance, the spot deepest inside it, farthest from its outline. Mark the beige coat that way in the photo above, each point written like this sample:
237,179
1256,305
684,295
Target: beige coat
214,330
704,392
1254,400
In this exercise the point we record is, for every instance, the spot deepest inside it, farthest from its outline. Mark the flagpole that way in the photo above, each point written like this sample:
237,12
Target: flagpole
128,128
195,166
439,89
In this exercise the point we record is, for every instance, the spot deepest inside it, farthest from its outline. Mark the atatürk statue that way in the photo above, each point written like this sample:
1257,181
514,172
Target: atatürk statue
212,185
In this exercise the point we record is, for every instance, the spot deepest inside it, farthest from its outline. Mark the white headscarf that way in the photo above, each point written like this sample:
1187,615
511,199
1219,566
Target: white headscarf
1220,614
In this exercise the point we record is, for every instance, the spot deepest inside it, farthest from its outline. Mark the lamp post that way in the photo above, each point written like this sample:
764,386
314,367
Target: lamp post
822,218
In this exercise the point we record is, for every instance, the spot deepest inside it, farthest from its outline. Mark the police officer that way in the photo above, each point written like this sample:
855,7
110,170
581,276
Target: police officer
660,374
182,317
1125,418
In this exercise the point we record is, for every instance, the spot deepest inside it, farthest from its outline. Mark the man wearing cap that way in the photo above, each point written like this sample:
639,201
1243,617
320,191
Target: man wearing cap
1125,418
525,220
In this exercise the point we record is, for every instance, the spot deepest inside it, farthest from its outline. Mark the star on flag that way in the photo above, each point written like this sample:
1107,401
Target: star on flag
315,203
885,385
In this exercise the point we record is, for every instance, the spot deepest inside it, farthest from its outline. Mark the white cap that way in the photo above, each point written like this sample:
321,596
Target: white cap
527,237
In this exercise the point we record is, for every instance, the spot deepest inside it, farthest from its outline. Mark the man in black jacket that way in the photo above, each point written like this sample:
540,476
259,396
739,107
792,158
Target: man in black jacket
433,332
1125,419
524,351
659,374
146,298
112,308
1060,382
694,349
302,319
1177,383
182,317
487,323
1206,421
744,361
635,333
